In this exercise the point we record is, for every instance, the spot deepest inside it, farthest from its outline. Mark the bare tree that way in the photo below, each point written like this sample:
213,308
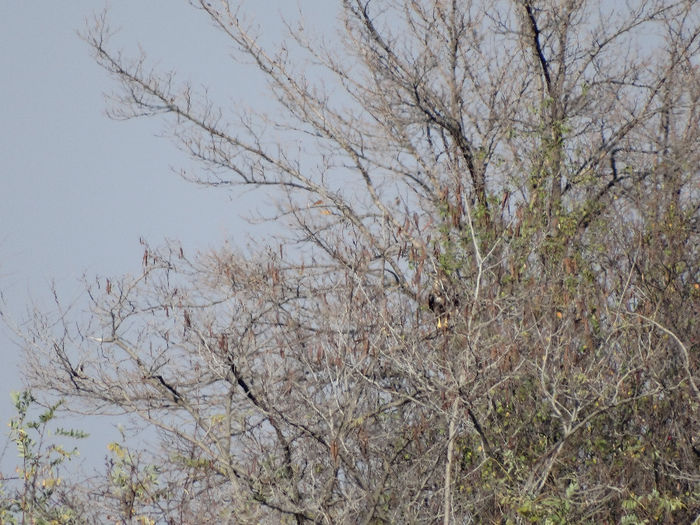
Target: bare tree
484,307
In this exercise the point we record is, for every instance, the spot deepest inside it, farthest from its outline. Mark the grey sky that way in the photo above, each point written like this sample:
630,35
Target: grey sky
77,190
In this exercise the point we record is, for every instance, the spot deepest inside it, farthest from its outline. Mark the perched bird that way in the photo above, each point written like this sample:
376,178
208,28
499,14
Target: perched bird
440,303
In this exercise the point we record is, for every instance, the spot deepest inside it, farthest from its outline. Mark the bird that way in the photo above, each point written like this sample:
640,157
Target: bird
439,303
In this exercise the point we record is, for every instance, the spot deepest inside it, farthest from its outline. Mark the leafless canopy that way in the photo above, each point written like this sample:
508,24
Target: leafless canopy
532,163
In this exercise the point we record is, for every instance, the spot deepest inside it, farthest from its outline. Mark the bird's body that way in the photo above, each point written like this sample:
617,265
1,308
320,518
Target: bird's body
440,304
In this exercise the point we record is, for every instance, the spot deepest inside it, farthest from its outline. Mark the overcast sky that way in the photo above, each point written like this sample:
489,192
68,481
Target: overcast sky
78,190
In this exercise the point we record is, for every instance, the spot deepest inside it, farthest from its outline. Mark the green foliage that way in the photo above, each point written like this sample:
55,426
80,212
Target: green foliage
133,484
652,507
35,493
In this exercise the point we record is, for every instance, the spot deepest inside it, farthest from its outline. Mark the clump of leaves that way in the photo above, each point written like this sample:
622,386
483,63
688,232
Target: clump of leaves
36,493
